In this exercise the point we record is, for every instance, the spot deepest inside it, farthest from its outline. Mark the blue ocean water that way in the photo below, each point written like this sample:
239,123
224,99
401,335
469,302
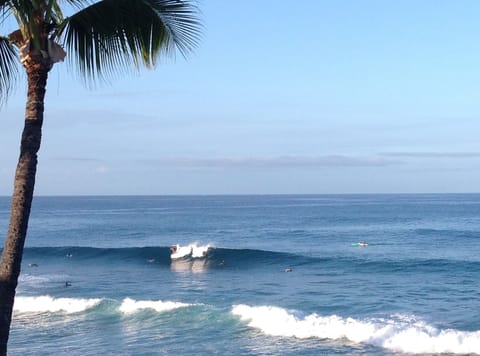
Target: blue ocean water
282,275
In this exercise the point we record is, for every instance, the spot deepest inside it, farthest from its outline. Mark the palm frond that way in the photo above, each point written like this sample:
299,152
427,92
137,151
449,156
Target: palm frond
4,11
180,21
9,68
77,3
108,37
73,5
24,12
3,6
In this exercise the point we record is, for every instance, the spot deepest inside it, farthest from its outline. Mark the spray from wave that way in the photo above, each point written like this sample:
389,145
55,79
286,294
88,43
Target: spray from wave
399,333
192,250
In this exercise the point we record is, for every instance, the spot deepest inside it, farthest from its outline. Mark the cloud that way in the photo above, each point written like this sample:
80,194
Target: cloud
281,162
432,154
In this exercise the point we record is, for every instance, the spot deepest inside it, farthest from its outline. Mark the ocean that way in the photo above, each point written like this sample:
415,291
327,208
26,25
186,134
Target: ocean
261,275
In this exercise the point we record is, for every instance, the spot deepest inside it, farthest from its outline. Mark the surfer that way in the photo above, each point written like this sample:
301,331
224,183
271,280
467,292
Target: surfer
33,265
288,269
68,284
173,249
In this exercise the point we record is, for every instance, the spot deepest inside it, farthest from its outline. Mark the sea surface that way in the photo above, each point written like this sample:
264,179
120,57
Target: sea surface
274,275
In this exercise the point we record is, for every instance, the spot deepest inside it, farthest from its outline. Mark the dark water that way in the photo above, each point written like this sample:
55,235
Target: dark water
282,275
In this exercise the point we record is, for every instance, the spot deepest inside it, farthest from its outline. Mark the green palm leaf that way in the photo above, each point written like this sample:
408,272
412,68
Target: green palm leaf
3,10
108,37
9,65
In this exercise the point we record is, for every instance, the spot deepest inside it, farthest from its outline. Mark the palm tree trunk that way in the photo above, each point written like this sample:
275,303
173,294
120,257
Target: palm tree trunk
37,73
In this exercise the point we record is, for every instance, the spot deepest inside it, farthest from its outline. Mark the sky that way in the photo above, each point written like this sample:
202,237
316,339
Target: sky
280,97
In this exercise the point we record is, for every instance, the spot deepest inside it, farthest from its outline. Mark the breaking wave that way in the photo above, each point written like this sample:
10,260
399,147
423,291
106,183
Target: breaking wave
213,257
130,306
47,304
192,251
399,333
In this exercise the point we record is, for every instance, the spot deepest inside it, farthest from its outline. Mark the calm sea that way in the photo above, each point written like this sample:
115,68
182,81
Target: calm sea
281,275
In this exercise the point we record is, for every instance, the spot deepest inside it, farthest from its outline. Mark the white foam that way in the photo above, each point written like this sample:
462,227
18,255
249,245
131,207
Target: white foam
192,250
130,306
47,304
399,333
200,251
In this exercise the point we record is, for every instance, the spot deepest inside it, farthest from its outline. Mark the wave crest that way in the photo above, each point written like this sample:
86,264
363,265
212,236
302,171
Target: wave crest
192,250
130,306
397,334
47,304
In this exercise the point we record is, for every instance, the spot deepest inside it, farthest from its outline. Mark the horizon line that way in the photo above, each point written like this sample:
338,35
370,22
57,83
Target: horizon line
240,194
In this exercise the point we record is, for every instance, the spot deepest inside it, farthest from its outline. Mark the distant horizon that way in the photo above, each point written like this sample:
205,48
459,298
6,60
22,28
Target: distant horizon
240,195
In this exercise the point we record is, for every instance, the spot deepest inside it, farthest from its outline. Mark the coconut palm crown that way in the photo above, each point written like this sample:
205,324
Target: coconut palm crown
100,39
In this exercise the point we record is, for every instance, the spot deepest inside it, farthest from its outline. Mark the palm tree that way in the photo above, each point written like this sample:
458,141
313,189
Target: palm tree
102,39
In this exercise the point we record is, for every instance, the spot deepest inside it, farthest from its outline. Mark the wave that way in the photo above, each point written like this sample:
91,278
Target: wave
76,253
191,251
48,304
130,306
216,257
399,333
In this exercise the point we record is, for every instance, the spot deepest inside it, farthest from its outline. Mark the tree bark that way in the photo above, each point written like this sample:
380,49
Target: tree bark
37,69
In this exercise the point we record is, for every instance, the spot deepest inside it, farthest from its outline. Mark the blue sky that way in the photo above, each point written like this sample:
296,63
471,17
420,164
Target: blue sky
312,96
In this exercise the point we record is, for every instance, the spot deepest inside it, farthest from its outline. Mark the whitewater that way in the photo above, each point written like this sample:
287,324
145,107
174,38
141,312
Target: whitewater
250,275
